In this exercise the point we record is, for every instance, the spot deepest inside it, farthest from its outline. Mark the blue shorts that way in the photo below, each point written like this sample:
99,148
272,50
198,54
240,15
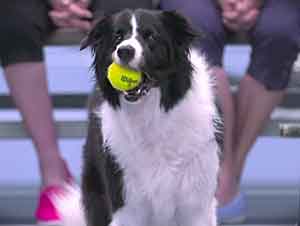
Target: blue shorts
275,39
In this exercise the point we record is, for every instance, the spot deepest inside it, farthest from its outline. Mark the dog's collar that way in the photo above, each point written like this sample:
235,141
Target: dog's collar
142,90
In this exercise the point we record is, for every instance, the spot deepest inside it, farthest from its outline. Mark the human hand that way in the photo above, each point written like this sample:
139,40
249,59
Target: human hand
83,3
240,15
67,13
59,4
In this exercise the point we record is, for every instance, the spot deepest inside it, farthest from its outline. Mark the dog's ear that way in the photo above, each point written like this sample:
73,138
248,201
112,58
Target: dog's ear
99,31
179,28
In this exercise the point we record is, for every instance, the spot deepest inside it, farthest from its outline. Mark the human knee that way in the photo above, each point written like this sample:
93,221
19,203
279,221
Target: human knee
282,32
212,39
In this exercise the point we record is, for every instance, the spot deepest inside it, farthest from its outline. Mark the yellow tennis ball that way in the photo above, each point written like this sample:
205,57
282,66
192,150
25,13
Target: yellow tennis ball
122,78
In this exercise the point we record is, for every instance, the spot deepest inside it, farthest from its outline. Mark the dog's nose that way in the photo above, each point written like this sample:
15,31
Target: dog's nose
126,53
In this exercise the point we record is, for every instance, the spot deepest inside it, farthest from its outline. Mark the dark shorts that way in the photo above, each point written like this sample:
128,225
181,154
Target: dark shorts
24,26
275,39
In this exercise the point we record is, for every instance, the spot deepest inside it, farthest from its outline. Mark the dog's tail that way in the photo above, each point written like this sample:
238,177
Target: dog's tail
69,206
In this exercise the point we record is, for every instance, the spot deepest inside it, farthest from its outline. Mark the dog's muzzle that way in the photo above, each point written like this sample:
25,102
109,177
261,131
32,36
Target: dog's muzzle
142,90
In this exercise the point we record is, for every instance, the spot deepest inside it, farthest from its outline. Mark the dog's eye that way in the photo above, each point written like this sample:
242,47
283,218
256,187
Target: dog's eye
118,35
148,35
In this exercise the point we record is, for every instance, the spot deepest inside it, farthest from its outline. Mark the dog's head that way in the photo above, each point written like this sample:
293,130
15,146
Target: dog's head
154,42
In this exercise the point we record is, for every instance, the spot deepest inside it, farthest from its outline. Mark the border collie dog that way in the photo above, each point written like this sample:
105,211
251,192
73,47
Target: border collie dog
152,154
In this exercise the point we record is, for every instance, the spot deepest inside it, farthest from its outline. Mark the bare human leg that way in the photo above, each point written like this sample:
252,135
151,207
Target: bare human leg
28,86
254,106
227,188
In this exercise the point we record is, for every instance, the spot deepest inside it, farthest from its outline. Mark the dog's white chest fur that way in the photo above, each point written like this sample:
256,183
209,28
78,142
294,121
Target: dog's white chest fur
169,159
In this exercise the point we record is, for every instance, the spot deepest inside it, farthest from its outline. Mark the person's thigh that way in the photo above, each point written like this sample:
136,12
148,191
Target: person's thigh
103,7
206,18
275,40
23,28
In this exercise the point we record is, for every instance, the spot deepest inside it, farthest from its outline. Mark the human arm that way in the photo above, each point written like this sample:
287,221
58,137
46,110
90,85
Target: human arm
70,13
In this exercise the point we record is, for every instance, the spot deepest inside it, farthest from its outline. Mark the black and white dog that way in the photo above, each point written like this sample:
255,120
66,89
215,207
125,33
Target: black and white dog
151,157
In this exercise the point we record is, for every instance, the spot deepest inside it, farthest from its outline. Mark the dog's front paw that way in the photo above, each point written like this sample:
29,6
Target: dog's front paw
116,222
113,223
123,218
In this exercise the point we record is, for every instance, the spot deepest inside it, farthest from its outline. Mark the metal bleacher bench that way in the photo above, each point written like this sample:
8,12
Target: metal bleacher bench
285,120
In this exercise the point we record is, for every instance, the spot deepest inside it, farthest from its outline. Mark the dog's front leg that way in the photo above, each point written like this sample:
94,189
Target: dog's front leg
137,213
97,205
196,214
95,201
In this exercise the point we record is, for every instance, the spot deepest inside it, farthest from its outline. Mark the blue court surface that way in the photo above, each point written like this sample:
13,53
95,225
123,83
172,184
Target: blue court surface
270,181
